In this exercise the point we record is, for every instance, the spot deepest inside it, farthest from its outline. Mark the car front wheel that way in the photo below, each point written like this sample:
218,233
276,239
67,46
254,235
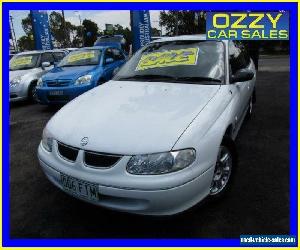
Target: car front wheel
225,164
32,96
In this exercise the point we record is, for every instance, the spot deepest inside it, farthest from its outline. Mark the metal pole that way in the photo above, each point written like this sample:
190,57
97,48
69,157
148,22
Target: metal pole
81,31
66,36
14,34
76,12
176,23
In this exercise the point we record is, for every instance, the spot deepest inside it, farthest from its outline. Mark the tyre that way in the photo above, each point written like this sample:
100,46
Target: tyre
32,97
224,169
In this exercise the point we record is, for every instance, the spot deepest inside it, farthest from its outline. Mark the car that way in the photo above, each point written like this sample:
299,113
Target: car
26,68
71,49
117,41
11,55
160,136
78,72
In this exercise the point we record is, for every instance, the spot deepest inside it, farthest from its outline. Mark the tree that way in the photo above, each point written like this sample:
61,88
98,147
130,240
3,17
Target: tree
189,22
90,32
27,25
26,43
155,32
60,31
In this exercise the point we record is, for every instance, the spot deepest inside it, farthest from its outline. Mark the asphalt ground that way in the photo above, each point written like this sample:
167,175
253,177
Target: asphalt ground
258,202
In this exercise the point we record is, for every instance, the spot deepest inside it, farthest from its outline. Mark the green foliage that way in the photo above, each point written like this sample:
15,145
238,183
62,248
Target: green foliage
119,30
60,31
91,28
155,32
189,22
27,25
26,43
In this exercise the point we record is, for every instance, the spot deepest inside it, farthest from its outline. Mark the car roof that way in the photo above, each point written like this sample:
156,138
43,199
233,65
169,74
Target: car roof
97,47
200,37
40,51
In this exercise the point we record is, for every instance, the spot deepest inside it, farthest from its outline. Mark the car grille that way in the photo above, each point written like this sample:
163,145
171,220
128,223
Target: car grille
58,83
91,159
58,98
67,152
99,160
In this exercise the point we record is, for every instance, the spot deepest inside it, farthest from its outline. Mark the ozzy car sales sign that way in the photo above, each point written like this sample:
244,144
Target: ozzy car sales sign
247,25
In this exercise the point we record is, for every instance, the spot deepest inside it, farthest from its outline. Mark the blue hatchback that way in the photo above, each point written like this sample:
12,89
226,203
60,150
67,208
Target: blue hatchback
78,72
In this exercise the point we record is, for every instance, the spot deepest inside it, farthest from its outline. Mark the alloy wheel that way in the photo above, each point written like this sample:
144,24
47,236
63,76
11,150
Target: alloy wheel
222,171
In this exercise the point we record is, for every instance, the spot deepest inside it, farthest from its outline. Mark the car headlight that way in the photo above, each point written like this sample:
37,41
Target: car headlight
39,83
161,163
84,80
47,140
14,82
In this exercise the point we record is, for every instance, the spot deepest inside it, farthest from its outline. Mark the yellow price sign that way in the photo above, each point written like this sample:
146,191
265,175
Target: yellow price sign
81,56
188,56
19,61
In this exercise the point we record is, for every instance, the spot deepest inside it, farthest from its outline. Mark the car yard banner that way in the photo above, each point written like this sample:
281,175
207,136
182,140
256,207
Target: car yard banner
247,25
41,30
141,28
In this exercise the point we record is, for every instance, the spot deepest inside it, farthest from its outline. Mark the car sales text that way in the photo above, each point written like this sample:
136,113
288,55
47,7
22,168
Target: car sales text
248,26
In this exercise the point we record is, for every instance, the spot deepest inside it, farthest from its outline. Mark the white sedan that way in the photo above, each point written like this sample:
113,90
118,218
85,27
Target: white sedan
159,137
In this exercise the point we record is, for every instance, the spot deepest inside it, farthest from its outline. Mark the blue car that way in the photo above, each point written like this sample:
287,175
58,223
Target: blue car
78,72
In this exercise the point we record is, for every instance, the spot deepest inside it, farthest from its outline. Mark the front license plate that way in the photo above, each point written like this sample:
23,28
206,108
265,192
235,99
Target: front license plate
56,92
79,188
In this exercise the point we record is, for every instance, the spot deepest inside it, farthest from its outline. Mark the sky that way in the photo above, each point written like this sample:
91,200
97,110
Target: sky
121,17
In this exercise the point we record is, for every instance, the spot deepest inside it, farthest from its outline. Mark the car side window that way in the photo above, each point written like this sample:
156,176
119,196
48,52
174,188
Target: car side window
47,57
118,55
238,57
58,56
108,54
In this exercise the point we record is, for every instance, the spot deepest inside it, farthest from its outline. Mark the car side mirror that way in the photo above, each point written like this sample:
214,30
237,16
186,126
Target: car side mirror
242,75
109,60
46,65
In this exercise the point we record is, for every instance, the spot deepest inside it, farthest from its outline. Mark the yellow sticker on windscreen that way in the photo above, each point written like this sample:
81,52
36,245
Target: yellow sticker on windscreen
168,58
81,56
20,61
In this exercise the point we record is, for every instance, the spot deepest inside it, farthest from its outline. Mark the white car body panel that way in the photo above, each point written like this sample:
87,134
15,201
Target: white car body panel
137,119
28,76
129,118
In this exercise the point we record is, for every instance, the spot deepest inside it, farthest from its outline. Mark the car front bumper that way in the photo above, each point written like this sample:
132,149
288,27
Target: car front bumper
64,94
158,200
18,93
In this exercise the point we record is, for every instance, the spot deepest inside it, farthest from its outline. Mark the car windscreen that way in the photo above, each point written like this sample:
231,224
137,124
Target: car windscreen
196,62
26,61
81,58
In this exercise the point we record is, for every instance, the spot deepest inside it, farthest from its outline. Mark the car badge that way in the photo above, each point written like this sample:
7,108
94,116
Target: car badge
84,141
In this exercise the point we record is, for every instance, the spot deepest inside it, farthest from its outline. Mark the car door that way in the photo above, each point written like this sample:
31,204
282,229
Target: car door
109,64
119,57
238,60
48,57
58,56
113,60
45,57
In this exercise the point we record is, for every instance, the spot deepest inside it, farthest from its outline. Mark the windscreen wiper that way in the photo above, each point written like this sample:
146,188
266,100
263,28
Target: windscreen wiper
147,77
198,79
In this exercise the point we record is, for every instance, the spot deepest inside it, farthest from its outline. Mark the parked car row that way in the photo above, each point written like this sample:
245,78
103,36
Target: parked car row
58,76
